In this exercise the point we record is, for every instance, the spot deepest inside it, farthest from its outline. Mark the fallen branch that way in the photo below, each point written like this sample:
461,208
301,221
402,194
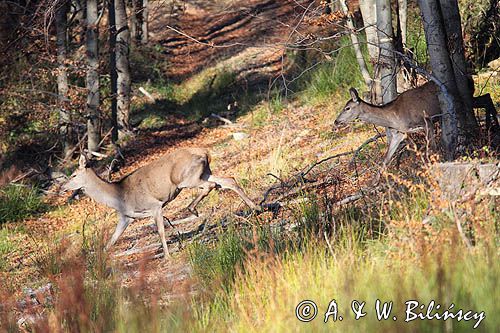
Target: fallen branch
23,176
147,94
191,218
300,177
224,120
350,199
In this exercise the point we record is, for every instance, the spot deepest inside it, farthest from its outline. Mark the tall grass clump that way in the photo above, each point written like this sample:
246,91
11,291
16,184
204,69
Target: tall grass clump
342,72
19,202
216,265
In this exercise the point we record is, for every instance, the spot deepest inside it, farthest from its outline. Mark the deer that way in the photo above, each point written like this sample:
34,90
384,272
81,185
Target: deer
412,111
146,191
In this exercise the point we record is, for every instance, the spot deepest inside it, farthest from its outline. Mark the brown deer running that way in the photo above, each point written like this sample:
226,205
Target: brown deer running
411,111
147,190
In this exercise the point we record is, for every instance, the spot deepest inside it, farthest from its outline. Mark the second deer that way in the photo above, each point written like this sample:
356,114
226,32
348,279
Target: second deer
413,110
147,190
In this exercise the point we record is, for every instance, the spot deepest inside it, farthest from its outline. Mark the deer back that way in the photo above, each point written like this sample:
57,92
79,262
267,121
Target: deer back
163,178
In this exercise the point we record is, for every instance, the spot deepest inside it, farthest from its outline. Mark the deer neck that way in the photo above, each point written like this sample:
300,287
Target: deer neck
103,192
377,115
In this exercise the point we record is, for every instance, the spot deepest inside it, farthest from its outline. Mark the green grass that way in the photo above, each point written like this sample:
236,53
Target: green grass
19,202
6,247
216,266
341,73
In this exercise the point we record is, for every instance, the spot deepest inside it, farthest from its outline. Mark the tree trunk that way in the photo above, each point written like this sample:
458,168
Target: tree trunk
442,70
385,70
112,67
145,22
135,28
369,12
94,121
62,75
122,68
465,85
356,45
403,18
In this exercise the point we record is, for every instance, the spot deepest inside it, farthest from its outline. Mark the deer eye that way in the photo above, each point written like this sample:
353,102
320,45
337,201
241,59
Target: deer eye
347,108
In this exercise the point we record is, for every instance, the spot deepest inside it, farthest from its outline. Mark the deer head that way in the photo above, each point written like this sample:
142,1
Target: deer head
79,178
351,110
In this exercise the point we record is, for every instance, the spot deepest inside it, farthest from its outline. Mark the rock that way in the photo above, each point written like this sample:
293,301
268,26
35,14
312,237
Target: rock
239,136
461,180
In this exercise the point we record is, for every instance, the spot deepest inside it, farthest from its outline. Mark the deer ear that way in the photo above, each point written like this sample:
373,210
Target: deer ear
354,94
82,162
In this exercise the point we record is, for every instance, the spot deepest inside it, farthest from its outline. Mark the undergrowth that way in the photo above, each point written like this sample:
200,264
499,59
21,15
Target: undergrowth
19,202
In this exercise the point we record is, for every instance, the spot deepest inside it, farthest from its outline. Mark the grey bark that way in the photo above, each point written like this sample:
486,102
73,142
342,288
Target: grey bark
443,71
385,70
93,114
355,43
139,21
112,67
403,18
369,12
145,22
132,19
453,28
62,75
122,51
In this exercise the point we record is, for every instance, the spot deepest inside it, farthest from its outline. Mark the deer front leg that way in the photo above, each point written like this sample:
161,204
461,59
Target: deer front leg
123,222
158,216
396,138
230,183
207,187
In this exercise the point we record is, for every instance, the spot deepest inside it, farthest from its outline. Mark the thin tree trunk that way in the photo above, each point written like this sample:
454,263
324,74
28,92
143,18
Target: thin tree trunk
93,122
385,72
356,45
62,75
369,12
80,7
112,67
132,20
442,69
122,68
453,28
145,22
403,19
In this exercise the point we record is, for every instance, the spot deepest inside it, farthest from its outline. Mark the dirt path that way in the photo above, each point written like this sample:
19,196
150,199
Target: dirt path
198,37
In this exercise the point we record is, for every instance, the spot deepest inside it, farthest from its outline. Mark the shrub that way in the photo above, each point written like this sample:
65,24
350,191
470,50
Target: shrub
19,202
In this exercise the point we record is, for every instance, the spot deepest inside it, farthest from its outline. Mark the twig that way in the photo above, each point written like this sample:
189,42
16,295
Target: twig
70,153
370,140
300,177
105,137
24,175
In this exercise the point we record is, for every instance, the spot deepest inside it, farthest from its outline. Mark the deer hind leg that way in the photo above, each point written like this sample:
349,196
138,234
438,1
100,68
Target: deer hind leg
396,138
230,183
123,222
158,216
206,188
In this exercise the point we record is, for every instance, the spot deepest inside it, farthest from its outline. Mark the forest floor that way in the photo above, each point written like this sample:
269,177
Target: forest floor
282,142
